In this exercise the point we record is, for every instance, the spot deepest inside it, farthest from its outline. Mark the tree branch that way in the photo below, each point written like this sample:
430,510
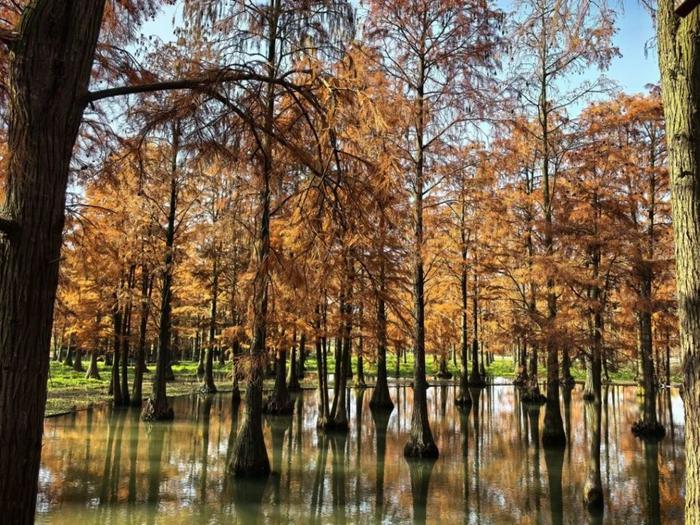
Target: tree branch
189,83
9,227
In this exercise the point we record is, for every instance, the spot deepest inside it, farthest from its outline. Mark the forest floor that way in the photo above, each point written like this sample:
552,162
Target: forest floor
69,390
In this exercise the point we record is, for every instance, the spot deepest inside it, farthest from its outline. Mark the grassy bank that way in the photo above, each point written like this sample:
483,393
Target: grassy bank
70,390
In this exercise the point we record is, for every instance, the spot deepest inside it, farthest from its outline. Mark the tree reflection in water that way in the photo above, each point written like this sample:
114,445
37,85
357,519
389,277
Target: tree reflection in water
105,466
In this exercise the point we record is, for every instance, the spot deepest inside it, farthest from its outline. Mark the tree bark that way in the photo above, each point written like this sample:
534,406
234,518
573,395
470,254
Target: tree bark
679,62
49,71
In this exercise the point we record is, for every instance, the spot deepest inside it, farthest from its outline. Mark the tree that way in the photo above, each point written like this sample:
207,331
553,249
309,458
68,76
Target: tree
680,87
554,40
434,51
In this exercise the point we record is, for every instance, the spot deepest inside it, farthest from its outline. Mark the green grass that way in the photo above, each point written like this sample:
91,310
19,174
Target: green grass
70,390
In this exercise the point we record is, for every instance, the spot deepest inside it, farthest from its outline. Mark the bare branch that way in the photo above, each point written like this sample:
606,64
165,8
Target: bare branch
218,77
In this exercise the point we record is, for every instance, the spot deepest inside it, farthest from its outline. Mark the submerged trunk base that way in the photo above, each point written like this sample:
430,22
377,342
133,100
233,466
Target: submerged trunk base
249,456
464,398
476,381
277,405
420,450
331,426
381,399
533,397
154,411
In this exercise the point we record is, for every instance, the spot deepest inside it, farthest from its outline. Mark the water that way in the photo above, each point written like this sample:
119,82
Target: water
106,467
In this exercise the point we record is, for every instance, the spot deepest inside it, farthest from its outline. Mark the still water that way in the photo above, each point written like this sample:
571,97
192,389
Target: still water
105,466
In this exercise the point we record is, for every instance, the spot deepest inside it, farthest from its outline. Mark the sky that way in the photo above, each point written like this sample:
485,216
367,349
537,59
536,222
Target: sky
632,71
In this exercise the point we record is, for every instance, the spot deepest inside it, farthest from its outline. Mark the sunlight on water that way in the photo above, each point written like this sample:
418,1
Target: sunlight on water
107,467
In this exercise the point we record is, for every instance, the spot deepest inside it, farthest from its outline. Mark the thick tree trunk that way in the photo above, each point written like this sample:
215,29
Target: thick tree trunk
78,361
49,71
380,395
279,401
648,427
126,339
553,434
93,371
679,62
567,380
68,361
443,371
338,420
157,407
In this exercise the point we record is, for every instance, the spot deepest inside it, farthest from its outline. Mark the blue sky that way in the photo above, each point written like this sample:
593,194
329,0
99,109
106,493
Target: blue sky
632,71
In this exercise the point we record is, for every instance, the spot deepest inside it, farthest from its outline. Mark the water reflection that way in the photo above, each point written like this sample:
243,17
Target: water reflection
106,466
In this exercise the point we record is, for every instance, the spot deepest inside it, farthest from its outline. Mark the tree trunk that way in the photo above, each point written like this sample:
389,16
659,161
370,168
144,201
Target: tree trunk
322,377
567,380
338,420
49,71
235,387
140,364
68,361
279,401
380,395
208,386
360,380
157,407
421,443
117,321
93,371
593,488
476,380
124,364
302,357
463,398
249,456
648,427
293,377
78,361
